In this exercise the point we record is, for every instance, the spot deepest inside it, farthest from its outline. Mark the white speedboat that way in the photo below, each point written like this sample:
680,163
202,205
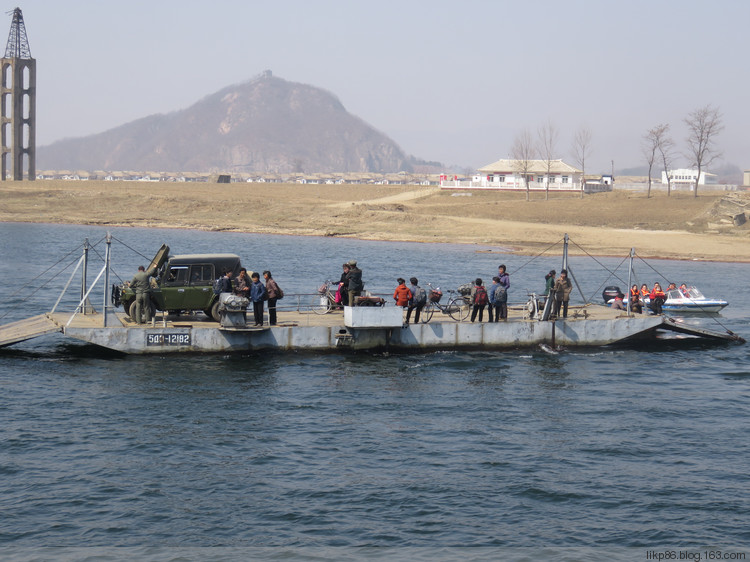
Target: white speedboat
690,299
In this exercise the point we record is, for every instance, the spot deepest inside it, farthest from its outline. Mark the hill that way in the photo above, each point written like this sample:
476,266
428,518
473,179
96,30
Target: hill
264,125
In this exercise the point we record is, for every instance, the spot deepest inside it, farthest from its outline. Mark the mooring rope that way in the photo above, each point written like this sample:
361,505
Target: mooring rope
43,285
533,258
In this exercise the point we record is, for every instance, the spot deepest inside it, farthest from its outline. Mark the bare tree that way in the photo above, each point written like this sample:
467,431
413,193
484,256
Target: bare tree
665,146
581,151
547,145
650,146
704,124
658,144
523,153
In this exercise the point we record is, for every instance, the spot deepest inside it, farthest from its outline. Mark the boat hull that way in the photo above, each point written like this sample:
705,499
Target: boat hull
592,325
702,306
708,306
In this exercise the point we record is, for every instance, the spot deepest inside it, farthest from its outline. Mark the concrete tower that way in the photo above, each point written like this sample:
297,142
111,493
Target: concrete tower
18,104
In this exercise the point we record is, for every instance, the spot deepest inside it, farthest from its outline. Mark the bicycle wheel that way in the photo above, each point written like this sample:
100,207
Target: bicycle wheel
459,308
319,304
427,312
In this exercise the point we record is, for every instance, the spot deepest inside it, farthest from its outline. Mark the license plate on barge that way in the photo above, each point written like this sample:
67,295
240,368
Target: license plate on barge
168,339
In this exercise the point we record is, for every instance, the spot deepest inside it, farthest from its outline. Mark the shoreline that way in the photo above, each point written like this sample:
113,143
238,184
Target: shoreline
607,224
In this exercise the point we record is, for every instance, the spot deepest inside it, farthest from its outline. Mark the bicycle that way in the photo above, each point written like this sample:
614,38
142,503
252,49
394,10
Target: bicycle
538,307
458,306
324,301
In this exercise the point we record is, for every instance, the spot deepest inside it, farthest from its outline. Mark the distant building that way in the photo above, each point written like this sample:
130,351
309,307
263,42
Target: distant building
686,178
507,175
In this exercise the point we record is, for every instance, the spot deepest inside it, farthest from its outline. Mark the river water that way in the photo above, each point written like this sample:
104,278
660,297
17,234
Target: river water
416,455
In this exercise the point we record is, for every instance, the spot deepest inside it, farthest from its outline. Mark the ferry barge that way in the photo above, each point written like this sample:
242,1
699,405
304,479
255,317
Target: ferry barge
353,328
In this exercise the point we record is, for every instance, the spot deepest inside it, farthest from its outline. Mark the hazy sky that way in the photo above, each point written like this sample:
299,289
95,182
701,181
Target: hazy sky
449,81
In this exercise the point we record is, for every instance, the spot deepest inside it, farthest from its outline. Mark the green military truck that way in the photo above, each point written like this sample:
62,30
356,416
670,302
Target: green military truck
182,283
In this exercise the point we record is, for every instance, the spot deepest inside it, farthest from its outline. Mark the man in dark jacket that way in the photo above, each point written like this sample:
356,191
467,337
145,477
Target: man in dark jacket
226,281
355,284
141,285
562,290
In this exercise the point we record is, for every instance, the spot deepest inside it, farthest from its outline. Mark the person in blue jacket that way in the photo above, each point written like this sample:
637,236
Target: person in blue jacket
257,295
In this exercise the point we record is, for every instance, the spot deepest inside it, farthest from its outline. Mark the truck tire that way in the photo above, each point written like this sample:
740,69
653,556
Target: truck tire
131,309
215,311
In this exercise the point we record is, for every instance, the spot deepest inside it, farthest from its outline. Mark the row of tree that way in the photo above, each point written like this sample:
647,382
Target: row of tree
526,148
704,125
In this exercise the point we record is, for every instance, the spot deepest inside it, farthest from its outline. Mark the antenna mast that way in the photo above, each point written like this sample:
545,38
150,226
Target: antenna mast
18,43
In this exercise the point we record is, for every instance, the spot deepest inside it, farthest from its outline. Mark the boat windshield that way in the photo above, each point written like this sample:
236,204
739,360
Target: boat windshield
692,294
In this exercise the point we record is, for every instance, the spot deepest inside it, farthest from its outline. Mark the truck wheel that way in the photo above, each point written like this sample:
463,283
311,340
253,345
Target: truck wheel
215,312
131,308
126,307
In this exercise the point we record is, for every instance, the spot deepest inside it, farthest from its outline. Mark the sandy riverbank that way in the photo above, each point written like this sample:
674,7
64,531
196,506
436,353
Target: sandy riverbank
680,226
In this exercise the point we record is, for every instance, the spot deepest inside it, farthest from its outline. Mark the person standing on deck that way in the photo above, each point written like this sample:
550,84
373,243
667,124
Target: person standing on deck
549,282
242,284
273,292
140,285
504,277
258,294
479,299
562,289
499,297
354,282
418,300
402,295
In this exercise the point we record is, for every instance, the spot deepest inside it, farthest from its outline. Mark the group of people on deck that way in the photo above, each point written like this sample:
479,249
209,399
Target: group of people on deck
558,289
656,296
256,292
495,297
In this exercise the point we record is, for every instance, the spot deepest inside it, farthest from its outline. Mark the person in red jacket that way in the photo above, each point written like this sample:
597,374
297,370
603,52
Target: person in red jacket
402,295
657,297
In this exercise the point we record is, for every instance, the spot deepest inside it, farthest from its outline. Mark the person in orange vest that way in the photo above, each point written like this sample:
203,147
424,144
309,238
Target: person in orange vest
635,300
644,290
402,295
657,297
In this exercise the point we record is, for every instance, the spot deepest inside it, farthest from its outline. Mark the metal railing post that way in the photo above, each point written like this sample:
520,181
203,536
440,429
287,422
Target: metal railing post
107,256
84,271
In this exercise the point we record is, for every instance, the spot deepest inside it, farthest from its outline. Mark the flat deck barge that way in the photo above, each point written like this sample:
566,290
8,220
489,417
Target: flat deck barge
359,328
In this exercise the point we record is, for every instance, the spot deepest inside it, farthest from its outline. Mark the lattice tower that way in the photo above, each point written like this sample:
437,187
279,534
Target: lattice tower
18,43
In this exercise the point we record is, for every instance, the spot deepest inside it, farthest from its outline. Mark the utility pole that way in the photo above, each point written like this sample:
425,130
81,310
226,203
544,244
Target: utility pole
18,120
